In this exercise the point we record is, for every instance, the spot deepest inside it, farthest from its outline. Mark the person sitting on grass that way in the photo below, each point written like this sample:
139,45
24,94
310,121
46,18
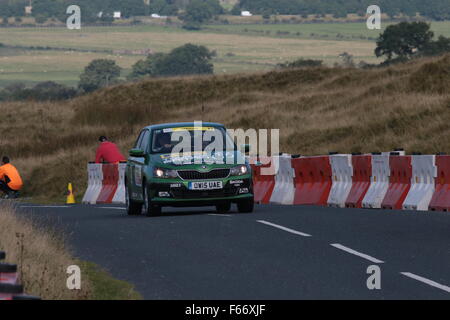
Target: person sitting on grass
10,180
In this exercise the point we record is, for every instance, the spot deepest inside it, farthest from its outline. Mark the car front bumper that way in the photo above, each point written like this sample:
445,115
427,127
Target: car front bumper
178,194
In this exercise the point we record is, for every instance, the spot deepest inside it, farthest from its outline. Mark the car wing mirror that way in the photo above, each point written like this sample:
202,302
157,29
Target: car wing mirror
137,153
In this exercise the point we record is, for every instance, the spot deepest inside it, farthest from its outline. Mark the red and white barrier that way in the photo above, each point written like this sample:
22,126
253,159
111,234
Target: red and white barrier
387,180
119,196
95,183
106,183
312,178
283,192
424,173
263,179
10,288
441,197
362,171
379,182
342,172
399,182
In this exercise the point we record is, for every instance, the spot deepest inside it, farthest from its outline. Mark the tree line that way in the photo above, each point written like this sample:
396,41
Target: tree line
433,9
202,10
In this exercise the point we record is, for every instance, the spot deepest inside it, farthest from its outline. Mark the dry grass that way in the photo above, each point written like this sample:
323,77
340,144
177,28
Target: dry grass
41,255
317,110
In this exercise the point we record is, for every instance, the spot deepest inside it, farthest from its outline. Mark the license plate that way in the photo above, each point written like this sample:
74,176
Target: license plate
205,185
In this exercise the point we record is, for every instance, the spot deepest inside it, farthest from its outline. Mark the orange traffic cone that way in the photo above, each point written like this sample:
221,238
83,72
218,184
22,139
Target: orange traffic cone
70,196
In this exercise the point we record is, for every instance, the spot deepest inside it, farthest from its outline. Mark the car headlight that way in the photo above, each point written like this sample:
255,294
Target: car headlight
239,170
164,173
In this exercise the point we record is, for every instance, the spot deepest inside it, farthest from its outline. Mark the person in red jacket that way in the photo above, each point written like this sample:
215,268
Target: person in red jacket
108,152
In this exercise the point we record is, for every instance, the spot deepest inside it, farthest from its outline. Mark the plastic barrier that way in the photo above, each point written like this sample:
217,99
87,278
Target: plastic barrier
283,192
263,181
379,182
441,197
362,171
119,196
8,273
9,284
110,183
95,183
342,172
424,172
399,182
312,179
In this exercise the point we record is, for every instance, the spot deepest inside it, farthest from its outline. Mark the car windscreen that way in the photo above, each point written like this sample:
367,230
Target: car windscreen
191,139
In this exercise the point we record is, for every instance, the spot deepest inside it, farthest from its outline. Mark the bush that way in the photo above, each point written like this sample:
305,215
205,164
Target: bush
301,63
98,74
40,19
43,91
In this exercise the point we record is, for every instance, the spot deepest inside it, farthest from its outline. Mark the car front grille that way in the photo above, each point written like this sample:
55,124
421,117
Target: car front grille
197,175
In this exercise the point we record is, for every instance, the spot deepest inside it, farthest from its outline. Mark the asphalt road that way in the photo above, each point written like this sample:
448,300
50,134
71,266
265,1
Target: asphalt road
278,252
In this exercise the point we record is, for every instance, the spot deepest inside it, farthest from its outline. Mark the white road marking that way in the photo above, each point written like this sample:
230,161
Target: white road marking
114,208
45,206
219,215
284,228
356,253
426,281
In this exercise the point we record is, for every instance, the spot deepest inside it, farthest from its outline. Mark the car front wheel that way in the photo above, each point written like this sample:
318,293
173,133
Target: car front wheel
150,210
246,206
133,208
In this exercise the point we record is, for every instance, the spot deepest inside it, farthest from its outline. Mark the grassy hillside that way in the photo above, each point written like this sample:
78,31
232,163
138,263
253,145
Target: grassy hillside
317,110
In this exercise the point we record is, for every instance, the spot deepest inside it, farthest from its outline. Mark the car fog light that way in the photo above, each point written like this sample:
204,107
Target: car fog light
243,190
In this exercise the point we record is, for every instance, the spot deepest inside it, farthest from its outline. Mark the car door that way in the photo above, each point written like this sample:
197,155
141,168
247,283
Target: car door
139,163
131,170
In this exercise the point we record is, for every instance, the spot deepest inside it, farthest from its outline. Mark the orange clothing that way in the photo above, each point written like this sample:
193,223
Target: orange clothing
11,176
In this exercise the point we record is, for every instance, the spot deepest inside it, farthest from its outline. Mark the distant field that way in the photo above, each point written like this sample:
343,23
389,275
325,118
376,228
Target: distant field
240,48
346,31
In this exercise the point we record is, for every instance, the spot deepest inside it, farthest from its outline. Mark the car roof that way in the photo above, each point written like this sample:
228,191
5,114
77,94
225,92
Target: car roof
181,124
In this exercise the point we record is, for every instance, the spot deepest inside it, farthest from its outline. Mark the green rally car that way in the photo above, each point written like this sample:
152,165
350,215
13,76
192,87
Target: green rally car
158,174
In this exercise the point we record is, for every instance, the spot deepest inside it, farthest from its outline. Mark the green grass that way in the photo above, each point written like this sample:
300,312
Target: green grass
105,287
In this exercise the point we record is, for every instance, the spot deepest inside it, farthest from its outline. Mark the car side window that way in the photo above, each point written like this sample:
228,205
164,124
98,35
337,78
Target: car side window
145,141
139,139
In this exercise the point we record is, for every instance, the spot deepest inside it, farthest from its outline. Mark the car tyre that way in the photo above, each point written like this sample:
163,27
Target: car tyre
133,208
246,206
150,210
223,207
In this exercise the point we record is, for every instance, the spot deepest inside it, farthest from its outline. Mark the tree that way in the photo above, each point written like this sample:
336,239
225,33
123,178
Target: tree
404,40
98,74
146,67
442,45
198,12
162,7
185,60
